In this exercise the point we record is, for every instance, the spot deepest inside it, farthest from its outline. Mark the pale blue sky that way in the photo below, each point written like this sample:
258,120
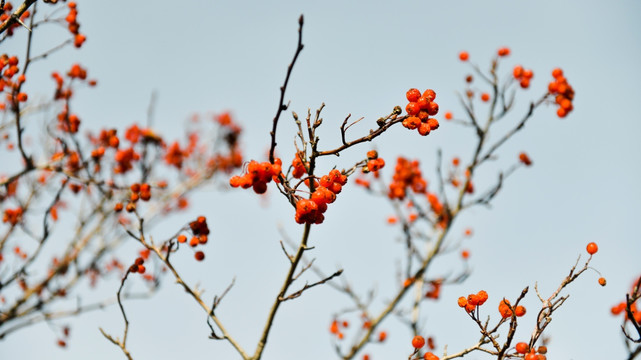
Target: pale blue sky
360,58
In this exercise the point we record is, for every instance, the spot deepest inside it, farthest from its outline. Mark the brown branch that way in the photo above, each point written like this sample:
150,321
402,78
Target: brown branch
281,294
371,136
122,344
300,292
281,102
15,16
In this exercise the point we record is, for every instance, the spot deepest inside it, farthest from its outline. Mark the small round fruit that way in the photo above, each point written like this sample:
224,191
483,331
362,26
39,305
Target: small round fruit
418,342
199,255
592,248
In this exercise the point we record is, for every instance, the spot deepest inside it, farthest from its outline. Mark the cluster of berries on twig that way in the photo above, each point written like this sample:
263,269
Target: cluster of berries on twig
419,109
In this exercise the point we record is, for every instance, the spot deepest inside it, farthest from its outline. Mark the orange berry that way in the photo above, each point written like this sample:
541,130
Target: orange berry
485,97
462,301
333,328
557,73
118,207
504,51
519,311
592,248
22,97
602,281
131,207
194,241
199,255
182,238
542,350
482,297
463,56
465,254
448,115
418,342
525,159
424,129
412,108
522,348
518,71
413,95
429,94
430,356
382,336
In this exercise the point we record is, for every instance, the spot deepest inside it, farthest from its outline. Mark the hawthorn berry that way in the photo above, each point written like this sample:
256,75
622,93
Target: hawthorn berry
592,248
522,348
382,336
602,281
418,342
199,255
504,51
525,159
413,95
430,356
463,56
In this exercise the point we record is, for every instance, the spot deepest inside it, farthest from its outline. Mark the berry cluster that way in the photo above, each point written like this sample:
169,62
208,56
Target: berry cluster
406,174
138,192
473,300
523,76
563,91
137,266
537,354
504,51
258,175
9,68
505,309
12,216
419,109
73,26
310,211
200,230
335,328
374,163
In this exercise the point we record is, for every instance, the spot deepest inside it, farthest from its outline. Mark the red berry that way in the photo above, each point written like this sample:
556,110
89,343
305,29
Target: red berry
418,342
413,95
592,248
199,255
521,348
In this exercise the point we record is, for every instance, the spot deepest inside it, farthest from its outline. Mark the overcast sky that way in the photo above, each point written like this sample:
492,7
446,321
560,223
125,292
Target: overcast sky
360,58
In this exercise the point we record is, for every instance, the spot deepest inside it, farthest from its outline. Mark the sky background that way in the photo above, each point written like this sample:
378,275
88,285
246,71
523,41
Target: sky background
360,58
